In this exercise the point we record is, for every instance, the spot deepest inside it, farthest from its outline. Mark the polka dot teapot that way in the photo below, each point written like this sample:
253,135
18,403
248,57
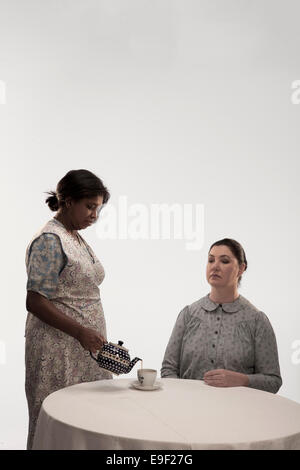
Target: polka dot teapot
115,358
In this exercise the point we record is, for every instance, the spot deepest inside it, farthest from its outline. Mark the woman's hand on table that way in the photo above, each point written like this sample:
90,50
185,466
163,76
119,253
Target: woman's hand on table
225,378
90,339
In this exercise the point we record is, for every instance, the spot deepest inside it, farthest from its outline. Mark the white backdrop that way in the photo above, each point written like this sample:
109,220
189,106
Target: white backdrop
187,102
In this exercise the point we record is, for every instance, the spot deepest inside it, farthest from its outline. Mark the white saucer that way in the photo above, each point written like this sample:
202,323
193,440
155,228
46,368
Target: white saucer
138,386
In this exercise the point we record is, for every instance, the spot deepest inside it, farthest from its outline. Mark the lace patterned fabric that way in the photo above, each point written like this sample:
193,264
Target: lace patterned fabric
67,272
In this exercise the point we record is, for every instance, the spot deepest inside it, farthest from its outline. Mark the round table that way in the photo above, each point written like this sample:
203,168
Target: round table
183,414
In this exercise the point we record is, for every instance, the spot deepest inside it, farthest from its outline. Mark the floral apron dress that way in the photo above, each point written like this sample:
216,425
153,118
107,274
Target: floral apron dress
53,359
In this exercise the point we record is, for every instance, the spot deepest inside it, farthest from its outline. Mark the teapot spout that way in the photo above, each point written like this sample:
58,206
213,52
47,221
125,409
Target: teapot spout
132,363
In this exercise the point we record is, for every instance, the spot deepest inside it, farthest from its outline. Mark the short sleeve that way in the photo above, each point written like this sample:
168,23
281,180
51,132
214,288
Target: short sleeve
46,261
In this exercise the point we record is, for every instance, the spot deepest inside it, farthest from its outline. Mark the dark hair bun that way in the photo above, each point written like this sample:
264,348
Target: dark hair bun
77,185
52,201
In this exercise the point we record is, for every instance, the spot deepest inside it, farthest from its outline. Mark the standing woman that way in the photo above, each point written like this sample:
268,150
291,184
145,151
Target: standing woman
65,317
223,338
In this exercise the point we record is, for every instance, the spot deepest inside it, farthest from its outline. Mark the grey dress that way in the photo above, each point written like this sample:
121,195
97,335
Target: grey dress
234,336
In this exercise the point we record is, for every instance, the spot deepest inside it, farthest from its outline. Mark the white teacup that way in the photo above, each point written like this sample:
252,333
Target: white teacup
146,377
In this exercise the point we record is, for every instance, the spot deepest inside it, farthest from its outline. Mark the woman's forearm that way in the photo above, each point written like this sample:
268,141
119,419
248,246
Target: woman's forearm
46,311
267,383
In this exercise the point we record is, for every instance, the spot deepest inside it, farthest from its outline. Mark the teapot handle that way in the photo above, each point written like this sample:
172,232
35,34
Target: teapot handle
93,356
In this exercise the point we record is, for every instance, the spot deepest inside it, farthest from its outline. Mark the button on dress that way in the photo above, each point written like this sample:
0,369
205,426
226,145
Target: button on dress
68,273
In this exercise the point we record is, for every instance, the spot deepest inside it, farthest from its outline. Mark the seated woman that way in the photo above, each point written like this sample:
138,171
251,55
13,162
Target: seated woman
222,338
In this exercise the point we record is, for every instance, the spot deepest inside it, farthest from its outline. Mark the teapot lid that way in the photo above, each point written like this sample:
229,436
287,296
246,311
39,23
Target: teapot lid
119,345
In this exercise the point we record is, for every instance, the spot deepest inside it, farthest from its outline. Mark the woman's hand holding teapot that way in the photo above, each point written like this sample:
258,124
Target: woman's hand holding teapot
90,339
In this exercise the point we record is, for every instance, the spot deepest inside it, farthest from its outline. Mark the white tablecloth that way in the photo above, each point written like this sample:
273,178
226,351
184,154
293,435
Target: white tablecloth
184,414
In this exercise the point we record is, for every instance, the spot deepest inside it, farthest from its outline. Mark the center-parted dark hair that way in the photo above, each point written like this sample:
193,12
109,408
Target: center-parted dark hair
77,184
236,249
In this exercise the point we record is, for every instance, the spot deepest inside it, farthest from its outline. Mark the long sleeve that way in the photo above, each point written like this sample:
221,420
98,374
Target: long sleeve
267,371
171,362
